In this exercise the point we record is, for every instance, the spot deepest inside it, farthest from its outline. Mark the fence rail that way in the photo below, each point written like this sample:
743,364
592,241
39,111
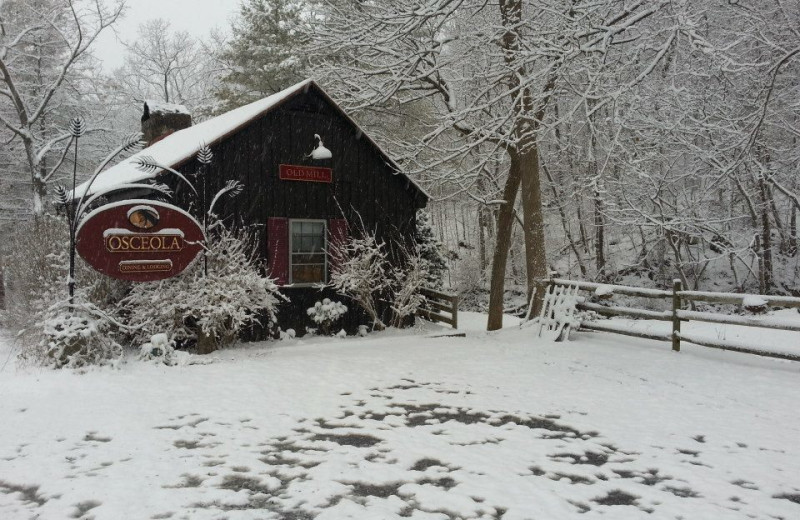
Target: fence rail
439,307
677,314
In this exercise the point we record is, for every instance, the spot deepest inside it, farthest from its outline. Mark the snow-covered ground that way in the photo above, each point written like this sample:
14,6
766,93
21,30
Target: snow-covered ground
403,424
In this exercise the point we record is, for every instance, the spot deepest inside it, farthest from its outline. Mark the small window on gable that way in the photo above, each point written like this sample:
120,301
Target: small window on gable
307,258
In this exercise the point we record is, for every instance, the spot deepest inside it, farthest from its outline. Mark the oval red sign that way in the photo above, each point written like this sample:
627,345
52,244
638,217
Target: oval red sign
139,240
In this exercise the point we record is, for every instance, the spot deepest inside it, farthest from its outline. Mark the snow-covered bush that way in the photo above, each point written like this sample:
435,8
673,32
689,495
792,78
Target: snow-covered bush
205,312
73,337
36,268
430,250
361,272
159,348
365,274
326,313
287,334
407,280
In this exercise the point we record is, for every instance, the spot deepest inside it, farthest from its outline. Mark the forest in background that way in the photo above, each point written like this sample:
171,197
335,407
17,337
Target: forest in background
627,141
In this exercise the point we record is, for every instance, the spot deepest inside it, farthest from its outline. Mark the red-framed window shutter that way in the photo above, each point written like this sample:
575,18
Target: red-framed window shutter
278,249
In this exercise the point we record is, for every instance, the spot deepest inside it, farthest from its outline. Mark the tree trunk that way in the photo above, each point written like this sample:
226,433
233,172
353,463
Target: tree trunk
482,236
793,232
39,194
766,237
533,223
762,288
581,228
505,221
599,237
205,344
524,170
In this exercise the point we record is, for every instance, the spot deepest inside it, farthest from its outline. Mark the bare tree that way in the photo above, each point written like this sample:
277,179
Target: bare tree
41,43
166,65
488,72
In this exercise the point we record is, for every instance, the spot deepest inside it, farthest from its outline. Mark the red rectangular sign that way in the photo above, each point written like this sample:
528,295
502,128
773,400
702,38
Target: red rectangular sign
290,172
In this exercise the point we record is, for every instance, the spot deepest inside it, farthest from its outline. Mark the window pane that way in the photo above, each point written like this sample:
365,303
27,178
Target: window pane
301,258
308,252
318,242
296,236
308,273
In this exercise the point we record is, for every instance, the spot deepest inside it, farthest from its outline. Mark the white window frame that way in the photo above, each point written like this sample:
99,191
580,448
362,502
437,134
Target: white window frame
324,251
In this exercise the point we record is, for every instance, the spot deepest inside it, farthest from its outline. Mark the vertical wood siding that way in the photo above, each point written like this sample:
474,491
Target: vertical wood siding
363,184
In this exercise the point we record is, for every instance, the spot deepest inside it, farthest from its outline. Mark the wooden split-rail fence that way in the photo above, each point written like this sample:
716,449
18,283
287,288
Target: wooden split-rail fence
439,307
678,314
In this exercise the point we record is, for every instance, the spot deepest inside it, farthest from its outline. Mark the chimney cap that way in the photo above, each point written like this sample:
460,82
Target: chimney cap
160,107
161,119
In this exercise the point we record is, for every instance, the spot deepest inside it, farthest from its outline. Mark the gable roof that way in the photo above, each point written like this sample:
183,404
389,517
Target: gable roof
181,146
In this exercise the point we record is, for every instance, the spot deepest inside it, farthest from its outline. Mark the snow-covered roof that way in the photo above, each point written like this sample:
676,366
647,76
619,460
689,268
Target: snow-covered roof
179,147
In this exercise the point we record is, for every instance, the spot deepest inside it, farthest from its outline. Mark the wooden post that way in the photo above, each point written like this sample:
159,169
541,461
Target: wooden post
455,312
676,322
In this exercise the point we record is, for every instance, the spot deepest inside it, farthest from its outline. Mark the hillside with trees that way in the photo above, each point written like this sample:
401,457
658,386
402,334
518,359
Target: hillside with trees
615,141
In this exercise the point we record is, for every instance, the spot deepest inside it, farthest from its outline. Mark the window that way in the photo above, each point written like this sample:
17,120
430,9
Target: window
307,258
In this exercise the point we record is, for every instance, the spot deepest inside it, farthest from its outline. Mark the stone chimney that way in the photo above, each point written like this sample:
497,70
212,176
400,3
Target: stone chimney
161,119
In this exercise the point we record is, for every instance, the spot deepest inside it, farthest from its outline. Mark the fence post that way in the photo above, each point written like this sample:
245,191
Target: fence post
454,303
676,322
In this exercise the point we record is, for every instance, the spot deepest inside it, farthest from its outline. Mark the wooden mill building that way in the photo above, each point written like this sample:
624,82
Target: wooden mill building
308,172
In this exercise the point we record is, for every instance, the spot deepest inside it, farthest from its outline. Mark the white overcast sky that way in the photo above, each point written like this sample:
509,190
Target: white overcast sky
197,17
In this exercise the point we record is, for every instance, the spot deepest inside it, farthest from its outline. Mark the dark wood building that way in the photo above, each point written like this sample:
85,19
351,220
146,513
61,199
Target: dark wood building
308,172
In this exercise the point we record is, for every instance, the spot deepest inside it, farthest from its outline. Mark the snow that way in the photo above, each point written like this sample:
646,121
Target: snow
604,290
159,107
149,203
184,144
714,296
476,321
620,289
406,424
753,302
123,231
320,152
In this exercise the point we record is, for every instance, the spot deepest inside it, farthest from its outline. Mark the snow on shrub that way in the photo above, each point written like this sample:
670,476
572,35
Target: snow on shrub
36,269
73,337
205,312
364,273
159,348
326,313
407,280
430,250
361,272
